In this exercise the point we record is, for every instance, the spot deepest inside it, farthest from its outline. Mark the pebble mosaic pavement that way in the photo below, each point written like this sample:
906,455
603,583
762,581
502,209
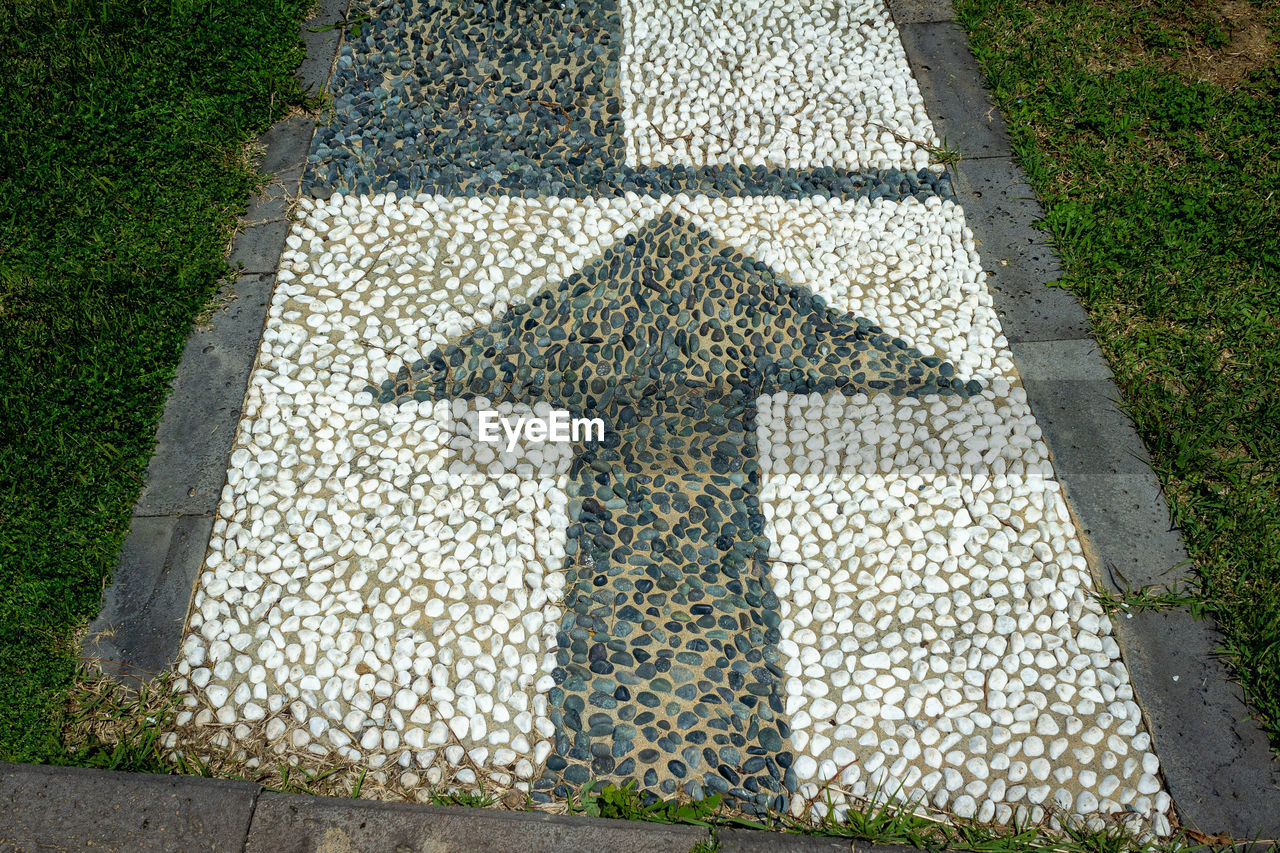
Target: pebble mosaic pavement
821,546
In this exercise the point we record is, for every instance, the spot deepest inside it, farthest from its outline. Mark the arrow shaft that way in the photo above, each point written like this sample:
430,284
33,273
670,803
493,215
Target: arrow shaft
667,655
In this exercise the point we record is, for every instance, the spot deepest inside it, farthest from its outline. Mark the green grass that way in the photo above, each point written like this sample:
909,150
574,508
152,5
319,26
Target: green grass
458,797
106,726
1148,129
122,132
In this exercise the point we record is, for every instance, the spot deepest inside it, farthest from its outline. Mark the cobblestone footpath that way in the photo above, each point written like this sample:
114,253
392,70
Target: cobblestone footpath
820,551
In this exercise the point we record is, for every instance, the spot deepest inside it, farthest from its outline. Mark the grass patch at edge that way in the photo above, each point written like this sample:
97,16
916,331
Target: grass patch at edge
122,132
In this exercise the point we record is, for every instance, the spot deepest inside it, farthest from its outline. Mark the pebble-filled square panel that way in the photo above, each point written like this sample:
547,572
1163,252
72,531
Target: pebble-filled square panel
821,551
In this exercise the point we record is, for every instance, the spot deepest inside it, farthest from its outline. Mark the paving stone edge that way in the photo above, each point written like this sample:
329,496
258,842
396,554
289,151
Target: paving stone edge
1215,758
69,808
138,631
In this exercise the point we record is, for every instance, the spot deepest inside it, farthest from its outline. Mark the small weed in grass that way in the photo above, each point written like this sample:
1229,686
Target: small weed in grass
1150,597
122,127
626,803
359,784
298,781
108,727
879,820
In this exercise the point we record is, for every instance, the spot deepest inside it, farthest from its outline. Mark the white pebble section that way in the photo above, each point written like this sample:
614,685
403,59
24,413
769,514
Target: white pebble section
381,587
418,272
778,83
410,274
938,635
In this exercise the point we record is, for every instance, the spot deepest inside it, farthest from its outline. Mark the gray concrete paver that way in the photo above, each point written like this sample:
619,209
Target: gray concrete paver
298,824
70,809
137,633
186,473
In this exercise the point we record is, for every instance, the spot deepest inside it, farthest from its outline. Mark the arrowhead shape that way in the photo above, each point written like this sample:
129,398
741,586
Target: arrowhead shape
670,308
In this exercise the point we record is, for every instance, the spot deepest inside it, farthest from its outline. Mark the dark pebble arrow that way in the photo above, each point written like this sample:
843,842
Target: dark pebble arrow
669,671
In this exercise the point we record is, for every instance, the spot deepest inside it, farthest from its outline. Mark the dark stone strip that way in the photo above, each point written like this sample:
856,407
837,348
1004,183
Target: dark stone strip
596,182
496,98
450,97
668,662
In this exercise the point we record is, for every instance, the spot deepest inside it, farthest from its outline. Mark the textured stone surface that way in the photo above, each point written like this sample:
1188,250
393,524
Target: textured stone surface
821,540
266,221
136,634
320,35
920,11
770,83
187,470
1003,211
355,310
48,808
297,824
1215,757
954,92
496,99
647,313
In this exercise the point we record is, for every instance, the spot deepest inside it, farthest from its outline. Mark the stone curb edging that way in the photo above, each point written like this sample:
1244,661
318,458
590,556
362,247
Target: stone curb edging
1215,758
59,808
137,633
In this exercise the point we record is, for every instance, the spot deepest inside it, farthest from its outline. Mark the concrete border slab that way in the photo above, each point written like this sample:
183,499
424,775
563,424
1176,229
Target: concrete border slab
58,808
1002,211
920,11
1214,756
62,808
186,473
1141,545
1081,418
1000,208
287,823
320,36
954,91
138,632
265,224
265,227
